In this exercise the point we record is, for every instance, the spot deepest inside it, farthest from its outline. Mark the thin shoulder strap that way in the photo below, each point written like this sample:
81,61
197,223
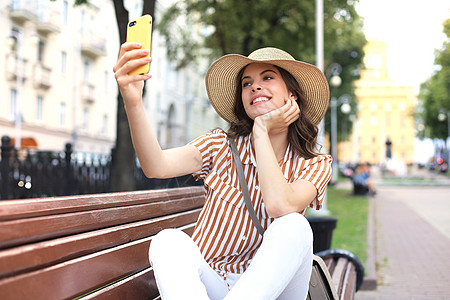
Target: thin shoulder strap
244,187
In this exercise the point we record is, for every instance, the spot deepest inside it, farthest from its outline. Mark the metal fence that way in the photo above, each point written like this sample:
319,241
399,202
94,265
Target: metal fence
34,174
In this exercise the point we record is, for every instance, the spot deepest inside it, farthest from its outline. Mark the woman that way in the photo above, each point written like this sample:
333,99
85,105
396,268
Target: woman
273,104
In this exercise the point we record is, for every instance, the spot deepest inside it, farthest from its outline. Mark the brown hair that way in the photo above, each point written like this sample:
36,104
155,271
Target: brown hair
302,134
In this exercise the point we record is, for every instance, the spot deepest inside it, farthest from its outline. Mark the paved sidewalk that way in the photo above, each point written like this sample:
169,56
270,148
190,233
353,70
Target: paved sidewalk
412,243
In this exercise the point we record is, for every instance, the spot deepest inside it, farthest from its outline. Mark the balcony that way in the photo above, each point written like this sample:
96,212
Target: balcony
14,68
48,22
22,11
87,92
42,76
92,45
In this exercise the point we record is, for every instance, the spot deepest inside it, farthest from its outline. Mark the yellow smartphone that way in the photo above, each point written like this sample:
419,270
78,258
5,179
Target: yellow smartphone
140,31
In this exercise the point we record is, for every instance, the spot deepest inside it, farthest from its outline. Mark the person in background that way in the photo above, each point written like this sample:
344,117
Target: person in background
362,181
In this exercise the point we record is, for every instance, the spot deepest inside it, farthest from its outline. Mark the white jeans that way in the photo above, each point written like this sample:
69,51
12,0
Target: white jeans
280,269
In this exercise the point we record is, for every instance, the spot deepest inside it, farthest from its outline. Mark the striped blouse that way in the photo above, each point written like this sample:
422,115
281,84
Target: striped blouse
224,232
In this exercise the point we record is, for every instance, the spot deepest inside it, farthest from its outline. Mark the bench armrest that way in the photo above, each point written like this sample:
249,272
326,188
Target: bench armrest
335,253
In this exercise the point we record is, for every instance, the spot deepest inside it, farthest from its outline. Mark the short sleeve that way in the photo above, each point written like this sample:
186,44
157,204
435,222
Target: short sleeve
209,146
317,171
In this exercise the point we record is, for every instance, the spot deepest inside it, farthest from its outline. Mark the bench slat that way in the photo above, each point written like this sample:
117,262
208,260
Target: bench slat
26,208
349,283
41,228
82,275
141,285
30,257
338,274
330,263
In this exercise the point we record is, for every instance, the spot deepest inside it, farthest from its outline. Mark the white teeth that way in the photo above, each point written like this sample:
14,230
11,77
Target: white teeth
260,99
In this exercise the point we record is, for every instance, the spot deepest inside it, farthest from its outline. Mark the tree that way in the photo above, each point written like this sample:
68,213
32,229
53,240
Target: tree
240,26
124,159
435,92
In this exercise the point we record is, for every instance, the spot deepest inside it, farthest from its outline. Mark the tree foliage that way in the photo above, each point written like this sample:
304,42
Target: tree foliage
435,92
241,26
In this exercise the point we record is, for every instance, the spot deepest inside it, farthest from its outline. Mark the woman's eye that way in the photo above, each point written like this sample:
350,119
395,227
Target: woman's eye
268,77
246,84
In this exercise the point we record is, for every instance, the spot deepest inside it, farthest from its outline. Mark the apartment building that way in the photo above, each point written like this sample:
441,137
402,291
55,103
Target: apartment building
57,84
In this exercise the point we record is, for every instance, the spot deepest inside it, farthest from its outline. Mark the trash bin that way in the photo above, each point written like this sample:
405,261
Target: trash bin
322,228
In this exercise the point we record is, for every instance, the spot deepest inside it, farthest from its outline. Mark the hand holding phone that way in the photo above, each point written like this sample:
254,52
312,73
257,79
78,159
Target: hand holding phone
140,31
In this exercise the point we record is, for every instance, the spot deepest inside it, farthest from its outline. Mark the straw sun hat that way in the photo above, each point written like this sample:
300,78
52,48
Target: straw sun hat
221,82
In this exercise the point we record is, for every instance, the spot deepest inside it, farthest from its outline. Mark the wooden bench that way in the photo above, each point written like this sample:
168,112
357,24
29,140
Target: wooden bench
90,246
345,272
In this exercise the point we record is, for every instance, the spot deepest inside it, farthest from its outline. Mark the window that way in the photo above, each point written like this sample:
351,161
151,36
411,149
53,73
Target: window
87,70
403,121
39,108
13,104
15,33
373,106
65,11
373,121
105,125
62,114
40,55
106,78
63,62
85,119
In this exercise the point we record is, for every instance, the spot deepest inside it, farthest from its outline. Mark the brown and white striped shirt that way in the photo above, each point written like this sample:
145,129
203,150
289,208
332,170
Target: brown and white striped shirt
224,231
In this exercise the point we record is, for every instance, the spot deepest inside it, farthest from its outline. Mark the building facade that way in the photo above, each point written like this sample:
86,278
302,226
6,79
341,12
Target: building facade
384,125
57,85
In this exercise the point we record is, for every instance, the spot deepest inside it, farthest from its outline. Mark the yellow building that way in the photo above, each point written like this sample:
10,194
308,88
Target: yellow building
385,112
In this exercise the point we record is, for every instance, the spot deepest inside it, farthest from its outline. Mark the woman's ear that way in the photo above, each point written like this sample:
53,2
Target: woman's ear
292,96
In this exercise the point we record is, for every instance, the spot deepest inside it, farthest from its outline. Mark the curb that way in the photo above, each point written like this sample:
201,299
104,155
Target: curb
370,279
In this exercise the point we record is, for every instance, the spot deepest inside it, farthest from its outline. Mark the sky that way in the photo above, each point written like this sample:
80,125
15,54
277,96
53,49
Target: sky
412,30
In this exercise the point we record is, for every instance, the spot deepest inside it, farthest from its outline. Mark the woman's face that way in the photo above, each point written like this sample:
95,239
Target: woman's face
263,89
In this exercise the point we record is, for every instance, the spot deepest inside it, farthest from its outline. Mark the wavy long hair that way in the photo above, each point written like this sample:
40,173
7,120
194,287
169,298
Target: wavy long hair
302,134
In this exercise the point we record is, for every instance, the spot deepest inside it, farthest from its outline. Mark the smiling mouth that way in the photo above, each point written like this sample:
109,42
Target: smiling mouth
260,99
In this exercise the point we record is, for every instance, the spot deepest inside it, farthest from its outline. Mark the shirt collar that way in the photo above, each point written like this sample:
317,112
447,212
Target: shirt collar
247,156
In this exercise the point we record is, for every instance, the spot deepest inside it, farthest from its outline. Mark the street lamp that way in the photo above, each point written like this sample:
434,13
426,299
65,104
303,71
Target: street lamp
345,108
443,114
332,73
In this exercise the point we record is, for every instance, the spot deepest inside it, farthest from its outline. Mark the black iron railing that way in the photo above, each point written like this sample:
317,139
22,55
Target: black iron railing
32,173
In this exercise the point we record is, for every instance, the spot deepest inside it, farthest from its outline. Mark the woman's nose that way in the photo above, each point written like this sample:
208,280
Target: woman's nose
256,87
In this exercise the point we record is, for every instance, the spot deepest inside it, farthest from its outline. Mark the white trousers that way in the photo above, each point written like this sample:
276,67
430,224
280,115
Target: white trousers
280,269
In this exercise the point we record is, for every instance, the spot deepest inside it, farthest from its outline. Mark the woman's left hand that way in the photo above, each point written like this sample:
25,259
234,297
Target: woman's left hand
278,120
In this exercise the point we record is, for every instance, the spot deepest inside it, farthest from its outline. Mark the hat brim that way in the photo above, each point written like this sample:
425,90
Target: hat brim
221,85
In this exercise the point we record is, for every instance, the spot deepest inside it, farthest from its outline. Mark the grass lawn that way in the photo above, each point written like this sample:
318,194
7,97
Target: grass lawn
351,228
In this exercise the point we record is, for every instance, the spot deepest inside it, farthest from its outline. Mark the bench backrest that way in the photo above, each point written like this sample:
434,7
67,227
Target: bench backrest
343,275
68,247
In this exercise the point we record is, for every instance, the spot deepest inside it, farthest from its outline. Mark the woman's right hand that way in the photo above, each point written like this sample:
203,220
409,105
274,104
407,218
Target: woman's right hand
131,86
